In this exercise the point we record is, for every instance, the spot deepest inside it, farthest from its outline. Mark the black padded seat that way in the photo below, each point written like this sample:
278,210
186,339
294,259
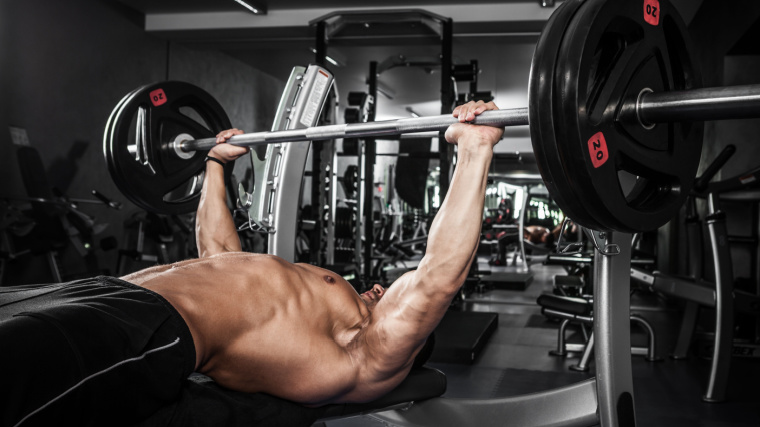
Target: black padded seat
537,249
203,403
421,384
568,281
570,305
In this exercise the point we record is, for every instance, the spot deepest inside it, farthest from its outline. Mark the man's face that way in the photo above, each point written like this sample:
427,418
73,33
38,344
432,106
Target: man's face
372,296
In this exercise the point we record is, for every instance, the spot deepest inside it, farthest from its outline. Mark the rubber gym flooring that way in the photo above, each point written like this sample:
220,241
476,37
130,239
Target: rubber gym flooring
516,361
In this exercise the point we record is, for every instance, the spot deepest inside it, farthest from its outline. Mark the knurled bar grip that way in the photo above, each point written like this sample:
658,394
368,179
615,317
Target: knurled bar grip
497,118
651,107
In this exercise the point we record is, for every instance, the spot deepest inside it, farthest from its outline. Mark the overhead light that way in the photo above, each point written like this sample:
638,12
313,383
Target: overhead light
546,3
253,8
334,61
412,112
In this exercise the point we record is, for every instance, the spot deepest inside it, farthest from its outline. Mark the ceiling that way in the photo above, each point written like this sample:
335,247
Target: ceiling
184,6
285,35
228,21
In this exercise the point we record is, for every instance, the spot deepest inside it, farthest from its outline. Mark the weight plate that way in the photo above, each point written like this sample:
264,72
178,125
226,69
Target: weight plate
613,52
627,177
109,127
543,118
138,144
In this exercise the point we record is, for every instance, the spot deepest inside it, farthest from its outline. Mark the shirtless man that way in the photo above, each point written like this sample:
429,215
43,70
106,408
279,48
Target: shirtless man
252,322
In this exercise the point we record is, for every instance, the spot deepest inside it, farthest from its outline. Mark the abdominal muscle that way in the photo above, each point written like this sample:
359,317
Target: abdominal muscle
259,324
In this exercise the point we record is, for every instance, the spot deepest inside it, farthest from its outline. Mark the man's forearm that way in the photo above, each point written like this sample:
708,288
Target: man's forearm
455,232
215,231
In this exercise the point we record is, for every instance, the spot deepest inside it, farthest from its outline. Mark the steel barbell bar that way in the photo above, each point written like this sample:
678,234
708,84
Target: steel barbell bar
498,118
715,103
733,102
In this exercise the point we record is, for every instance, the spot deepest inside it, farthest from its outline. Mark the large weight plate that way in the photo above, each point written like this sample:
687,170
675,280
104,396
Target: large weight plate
137,144
626,177
542,116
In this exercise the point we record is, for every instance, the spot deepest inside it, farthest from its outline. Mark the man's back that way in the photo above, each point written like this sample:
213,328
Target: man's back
261,324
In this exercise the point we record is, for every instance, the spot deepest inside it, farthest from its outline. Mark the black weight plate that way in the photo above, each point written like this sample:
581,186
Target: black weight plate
115,158
543,117
630,178
108,144
137,144
107,134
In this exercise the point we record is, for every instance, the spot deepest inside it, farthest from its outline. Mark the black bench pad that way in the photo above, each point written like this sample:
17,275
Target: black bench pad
203,403
576,306
421,383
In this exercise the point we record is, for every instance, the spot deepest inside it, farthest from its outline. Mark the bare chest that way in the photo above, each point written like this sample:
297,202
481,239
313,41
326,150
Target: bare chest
303,365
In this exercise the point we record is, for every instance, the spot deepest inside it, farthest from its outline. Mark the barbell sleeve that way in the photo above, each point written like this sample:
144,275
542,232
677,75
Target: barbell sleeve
496,118
715,103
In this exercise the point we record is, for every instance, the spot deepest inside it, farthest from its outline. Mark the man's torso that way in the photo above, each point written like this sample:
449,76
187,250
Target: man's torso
261,324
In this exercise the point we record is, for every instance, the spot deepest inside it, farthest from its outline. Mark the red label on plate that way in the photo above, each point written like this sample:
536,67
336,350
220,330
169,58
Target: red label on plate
158,97
597,149
652,12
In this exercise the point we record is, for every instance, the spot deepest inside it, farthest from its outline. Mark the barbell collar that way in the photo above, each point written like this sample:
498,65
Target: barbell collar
496,118
716,103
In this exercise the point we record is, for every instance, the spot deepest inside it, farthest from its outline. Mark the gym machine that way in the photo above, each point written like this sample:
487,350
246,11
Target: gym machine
579,308
720,295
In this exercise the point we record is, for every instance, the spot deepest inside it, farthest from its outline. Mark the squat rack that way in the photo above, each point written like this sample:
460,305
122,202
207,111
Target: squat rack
351,25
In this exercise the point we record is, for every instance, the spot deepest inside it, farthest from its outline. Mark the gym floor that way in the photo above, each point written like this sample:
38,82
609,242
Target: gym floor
516,361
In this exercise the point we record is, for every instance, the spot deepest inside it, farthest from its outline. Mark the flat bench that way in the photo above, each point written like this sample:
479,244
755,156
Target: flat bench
205,403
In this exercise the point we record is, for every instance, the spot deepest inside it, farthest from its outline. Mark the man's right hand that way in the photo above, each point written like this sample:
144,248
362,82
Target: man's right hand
461,131
227,152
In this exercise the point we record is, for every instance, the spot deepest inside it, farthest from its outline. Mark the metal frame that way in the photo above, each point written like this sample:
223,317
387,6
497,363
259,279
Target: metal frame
718,295
724,307
586,348
273,206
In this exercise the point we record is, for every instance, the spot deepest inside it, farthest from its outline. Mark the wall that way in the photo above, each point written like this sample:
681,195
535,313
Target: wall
719,68
67,64
740,70
742,217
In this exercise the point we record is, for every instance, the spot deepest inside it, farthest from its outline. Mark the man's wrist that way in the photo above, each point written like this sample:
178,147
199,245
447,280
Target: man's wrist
215,160
475,145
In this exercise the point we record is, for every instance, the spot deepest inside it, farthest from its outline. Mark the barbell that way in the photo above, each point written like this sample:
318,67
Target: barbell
648,109
615,114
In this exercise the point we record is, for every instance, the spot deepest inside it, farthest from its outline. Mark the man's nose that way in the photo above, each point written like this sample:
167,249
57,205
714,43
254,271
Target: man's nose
379,290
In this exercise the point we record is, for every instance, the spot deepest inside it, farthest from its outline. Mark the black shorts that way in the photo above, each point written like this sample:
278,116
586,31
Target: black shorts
100,352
